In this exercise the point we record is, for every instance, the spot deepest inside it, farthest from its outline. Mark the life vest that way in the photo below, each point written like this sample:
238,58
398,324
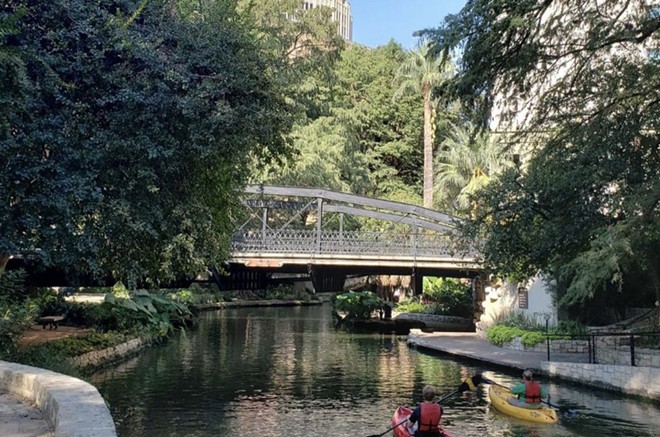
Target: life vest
429,418
532,392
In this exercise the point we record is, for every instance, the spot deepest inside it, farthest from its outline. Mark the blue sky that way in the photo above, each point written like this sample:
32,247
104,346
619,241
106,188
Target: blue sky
375,22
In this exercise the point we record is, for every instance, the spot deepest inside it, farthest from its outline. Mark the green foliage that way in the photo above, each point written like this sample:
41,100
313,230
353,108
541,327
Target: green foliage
569,328
126,128
584,204
364,142
16,312
47,356
357,305
55,355
81,344
144,311
448,297
15,319
465,164
532,338
304,46
286,292
120,291
520,319
501,334
411,306
186,297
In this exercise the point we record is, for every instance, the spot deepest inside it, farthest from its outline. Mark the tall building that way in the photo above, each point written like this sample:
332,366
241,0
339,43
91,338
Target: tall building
341,14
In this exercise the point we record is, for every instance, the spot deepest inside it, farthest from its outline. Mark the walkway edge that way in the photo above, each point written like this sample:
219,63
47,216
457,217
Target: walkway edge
72,407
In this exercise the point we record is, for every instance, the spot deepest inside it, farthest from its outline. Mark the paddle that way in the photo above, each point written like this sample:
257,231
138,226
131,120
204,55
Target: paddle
466,385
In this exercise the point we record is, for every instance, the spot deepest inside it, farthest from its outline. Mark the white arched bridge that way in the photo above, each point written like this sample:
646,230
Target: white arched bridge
331,235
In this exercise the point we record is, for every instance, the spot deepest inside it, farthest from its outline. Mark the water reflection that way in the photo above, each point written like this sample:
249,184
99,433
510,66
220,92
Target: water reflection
286,372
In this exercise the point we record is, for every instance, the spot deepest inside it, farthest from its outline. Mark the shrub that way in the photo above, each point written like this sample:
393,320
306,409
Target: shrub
519,319
411,306
501,334
16,311
570,327
448,297
532,338
357,305
286,292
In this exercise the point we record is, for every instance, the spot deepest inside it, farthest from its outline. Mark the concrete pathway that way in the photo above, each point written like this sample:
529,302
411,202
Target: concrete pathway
19,418
470,345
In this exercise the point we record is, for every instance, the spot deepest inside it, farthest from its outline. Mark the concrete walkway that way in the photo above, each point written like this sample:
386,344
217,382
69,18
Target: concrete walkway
470,345
19,418
36,402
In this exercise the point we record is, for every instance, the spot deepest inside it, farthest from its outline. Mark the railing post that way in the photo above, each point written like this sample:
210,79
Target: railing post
632,350
319,224
589,346
264,225
593,341
547,334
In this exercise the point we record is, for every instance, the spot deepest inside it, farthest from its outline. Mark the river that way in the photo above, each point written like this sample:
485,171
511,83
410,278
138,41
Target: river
270,372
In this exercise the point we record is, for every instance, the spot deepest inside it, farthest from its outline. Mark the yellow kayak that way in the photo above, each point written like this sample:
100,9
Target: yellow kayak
499,399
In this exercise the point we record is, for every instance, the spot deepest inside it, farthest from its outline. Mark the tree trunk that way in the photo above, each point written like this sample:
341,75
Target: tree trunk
4,259
428,147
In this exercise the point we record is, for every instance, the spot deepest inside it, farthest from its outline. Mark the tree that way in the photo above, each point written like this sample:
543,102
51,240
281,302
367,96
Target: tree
577,86
305,44
131,136
419,74
467,162
365,142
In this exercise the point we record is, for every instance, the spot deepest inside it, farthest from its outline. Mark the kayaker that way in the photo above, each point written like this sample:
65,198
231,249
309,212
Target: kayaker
528,393
427,415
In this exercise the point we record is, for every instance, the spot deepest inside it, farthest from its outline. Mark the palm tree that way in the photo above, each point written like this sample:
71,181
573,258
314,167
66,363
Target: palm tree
466,164
419,74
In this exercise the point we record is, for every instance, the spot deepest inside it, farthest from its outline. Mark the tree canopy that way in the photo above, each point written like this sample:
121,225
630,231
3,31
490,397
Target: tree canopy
363,141
574,86
129,131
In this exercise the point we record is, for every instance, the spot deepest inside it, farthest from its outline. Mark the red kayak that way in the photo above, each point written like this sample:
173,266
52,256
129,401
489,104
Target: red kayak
400,415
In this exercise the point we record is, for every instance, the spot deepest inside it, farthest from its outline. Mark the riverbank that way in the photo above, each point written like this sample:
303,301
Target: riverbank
636,381
31,399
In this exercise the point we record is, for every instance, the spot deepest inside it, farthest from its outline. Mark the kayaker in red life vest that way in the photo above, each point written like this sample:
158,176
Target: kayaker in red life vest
427,415
528,393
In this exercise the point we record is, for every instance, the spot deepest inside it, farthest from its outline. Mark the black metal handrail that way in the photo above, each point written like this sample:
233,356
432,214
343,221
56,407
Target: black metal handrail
591,341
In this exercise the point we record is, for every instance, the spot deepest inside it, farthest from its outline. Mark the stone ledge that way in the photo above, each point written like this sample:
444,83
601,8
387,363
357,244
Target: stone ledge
73,408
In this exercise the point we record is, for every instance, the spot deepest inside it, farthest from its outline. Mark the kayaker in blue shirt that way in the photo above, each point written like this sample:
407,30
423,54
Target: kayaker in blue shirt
528,393
428,414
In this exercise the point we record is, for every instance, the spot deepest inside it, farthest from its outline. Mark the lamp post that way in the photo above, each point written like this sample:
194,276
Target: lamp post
547,333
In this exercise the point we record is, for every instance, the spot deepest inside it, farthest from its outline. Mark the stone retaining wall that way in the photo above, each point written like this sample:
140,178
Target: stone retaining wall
620,355
112,354
641,381
556,346
72,407
437,322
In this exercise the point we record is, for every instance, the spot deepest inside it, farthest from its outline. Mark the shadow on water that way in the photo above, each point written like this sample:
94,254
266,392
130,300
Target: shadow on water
286,372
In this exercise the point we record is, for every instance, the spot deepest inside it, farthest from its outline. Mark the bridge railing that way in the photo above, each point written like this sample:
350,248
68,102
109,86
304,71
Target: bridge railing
341,242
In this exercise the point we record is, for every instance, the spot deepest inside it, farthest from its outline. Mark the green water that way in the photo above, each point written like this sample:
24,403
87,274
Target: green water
267,372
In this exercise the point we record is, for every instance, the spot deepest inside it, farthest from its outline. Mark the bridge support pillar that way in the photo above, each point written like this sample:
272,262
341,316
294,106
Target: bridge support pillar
327,279
241,279
417,282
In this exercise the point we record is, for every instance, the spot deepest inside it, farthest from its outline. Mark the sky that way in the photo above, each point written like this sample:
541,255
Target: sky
375,22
